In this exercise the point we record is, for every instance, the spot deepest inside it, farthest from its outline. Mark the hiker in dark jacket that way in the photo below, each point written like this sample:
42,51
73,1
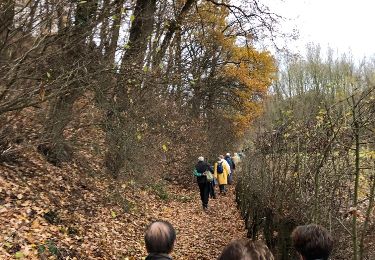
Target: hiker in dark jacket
212,184
159,239
204,186
232,167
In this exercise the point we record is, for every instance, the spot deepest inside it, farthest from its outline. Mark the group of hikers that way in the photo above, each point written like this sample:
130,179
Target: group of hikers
312,242
208,176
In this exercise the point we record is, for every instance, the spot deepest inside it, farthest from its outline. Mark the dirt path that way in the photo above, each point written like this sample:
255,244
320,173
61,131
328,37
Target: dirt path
202,235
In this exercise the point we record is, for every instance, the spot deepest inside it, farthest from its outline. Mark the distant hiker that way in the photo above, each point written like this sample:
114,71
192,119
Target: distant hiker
212,183
224,161
201,169
246,250
232,167
312,242
236,159
241,155
221,172
159,239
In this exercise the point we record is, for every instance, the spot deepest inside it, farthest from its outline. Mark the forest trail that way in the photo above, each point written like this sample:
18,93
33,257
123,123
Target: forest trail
65,213
202,235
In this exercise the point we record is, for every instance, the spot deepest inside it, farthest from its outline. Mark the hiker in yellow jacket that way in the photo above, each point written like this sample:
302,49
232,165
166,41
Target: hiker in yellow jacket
221,173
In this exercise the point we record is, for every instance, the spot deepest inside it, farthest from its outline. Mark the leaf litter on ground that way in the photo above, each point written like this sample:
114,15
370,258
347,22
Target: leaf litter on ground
50,212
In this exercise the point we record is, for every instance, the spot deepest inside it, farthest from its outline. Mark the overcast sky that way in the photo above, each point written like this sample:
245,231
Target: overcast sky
341,24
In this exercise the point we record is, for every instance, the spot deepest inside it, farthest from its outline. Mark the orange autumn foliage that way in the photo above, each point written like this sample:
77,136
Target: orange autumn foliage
245,72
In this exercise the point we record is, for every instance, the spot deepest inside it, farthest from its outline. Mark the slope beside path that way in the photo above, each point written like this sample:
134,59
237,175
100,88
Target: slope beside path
48,212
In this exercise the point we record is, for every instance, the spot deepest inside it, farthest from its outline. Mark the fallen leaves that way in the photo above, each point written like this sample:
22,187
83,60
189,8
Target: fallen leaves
59,213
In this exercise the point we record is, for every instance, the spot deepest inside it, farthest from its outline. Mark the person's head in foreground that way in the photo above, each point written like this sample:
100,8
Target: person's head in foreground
246,250
160,237
312,242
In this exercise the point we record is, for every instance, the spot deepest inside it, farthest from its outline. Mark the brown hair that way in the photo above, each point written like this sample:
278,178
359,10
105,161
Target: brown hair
246,250
312,241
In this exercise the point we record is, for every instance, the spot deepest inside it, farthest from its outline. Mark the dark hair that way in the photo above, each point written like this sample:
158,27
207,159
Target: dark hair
160,236
312,241
246,250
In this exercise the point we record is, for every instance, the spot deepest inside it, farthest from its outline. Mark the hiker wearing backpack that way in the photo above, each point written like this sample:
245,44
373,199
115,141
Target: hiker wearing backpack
212,183
202,170
221,173
232,167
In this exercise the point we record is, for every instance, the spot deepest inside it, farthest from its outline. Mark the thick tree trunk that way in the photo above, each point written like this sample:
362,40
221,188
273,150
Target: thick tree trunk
115,31
140,30
128,86
6,23
104,28
173,27
55,148
33,8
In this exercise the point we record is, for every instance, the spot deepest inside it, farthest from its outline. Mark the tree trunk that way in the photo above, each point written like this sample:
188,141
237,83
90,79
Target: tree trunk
356,181
140,30
33,8
104,28
173,27
115,31
129,79
55,148
368,214
6,23
60,113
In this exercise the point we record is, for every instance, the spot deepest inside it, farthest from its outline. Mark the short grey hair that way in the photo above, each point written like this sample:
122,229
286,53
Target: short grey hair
159,238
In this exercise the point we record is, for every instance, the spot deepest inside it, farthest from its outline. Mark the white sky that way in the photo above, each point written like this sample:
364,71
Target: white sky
343,25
